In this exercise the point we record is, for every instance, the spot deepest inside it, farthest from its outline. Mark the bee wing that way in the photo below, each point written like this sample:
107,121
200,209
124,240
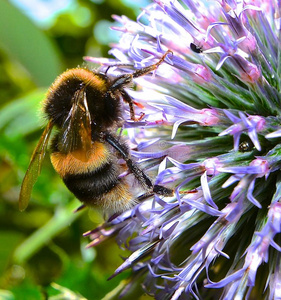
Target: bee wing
76,130
34,167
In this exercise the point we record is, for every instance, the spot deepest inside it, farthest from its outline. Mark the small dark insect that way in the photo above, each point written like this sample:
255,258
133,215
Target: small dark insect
246,146
85,108
195,48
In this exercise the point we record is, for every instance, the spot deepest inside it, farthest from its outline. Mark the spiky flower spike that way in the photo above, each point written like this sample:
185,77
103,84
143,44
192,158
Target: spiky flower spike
212,128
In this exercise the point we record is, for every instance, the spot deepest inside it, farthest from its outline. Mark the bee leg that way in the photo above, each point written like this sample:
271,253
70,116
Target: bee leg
121,81
163,191
120,64
126,79
139,173
129,100
126,97
148,69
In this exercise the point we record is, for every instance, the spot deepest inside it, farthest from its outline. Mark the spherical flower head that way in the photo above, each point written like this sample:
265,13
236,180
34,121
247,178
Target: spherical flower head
209,128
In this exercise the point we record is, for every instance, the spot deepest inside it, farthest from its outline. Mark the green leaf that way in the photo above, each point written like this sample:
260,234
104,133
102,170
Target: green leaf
29,45
6,295
20,116
65,293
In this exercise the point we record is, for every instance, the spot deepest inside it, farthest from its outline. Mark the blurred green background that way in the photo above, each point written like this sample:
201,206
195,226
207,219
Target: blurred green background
44,244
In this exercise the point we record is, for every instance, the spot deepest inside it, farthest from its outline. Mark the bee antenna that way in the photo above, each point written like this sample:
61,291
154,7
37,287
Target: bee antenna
107,69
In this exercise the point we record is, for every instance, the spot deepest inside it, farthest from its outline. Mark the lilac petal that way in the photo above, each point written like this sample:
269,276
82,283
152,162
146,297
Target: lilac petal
233,211
145,144
203,207
236,138
161,202
197,72
180,18
136,256
275,245
236,192
211,26
231,116
144,155
152,272
162,168
166,233
185,167
254,138
175,127
251,130
180,105
242,170
274,134
252,272
221,252
250,194
136,54
206,190
233,129
232,179
139,213
274,216
157,260
250,7
160,48
178,115
227,280
178,293
275,284
221,61
231,293
182,64
167,172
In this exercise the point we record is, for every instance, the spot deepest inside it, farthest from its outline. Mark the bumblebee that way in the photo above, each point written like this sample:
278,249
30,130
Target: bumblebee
85,108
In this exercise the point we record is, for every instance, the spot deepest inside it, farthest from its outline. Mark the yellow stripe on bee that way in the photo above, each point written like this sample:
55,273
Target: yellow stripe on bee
67,164
119,199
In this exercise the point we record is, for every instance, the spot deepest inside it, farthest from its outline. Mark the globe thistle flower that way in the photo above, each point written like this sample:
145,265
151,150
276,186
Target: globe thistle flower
211,131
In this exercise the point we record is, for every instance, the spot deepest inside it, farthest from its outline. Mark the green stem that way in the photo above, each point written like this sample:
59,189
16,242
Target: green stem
62,219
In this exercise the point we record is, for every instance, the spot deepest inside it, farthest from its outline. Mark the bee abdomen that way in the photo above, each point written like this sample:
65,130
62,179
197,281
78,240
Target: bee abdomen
92,185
